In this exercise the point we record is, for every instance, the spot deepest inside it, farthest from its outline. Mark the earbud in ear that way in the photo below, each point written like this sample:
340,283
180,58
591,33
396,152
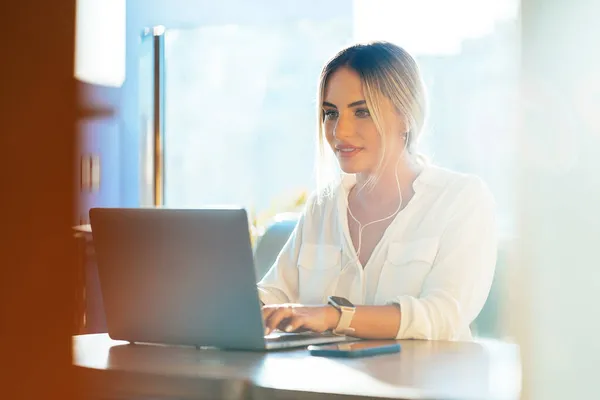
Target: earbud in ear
406,136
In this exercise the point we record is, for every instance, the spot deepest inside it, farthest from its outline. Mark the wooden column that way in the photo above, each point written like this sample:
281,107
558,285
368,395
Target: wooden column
37,196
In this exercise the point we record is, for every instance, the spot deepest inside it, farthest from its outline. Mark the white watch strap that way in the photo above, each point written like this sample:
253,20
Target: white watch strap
343,326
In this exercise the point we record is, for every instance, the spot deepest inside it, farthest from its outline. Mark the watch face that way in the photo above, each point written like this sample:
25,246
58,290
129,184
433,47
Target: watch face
342,302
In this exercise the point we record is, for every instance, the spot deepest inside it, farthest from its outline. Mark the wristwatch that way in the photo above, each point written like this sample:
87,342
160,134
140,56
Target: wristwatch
347,309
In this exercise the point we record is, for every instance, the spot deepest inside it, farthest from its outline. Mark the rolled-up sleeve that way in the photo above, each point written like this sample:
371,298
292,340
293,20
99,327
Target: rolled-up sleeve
460,279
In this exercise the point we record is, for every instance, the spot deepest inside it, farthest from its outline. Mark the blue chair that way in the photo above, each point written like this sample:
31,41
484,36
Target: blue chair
490,322
270,244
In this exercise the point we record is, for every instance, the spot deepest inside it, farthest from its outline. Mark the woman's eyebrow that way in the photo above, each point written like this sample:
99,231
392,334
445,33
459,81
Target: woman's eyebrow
353,104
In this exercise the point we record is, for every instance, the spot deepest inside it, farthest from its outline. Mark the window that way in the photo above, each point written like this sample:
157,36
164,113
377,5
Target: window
240,97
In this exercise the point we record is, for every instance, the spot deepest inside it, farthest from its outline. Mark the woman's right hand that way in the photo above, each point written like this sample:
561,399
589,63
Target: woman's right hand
298,317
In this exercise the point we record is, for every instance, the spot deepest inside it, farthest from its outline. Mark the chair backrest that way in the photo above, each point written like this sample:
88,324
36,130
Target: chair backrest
270,244
490,322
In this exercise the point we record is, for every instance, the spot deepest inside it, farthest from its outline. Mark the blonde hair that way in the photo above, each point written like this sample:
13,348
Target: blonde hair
386,71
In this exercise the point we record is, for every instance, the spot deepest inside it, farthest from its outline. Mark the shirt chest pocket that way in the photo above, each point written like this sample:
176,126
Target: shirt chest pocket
318,270
406,267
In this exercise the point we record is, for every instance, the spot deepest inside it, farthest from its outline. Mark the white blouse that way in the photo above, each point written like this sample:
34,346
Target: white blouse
436,259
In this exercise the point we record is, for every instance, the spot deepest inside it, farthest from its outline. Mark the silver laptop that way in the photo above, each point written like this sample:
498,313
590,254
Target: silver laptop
183,277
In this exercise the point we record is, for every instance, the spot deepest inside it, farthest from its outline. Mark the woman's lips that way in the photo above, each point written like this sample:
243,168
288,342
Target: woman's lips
347,151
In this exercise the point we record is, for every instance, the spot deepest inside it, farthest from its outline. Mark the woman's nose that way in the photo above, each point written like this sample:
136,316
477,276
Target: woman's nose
343,128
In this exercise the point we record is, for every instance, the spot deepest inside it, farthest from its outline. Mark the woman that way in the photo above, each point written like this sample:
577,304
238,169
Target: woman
394,247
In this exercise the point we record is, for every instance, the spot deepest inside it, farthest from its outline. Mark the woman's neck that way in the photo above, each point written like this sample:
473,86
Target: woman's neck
397,172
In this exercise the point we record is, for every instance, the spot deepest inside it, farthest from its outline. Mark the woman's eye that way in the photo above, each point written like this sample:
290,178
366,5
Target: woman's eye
329,114
362,113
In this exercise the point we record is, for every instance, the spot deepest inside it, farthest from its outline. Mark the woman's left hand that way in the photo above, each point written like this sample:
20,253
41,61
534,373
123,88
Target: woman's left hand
295,317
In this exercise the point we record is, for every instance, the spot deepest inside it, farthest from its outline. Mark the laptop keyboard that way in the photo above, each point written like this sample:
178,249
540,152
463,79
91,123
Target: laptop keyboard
286,337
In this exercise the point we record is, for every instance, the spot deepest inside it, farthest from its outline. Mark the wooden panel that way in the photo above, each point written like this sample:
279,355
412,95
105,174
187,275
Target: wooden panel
98,165
37,264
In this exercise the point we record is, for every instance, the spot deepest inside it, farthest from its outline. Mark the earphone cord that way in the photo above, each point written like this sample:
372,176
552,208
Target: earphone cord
361,227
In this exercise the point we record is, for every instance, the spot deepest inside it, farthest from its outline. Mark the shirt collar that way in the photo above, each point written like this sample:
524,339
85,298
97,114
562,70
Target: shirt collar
428,176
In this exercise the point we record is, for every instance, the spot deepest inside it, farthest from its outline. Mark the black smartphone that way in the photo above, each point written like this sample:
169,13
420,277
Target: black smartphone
362,348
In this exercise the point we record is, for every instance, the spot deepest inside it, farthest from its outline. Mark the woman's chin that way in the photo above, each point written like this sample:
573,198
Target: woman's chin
351,168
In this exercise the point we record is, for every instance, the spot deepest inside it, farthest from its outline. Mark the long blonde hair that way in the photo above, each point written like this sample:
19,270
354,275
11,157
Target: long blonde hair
386,71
